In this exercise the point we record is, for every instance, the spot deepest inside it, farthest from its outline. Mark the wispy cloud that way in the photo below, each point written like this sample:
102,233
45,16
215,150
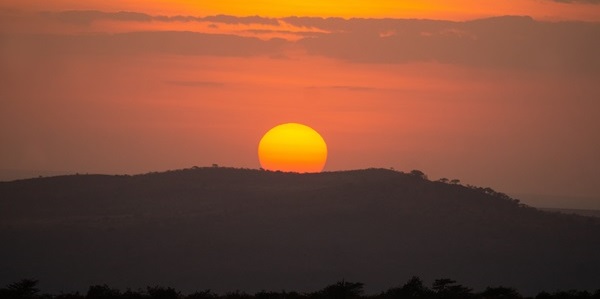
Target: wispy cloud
345,87
579,1
83,17
208,84
89,16
241,20
500,42
166,42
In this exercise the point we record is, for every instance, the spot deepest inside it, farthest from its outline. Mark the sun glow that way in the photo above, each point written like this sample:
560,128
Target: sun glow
292,147
347,8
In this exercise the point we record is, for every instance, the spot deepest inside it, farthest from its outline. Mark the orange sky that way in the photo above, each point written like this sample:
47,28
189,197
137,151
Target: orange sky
508,102
429,9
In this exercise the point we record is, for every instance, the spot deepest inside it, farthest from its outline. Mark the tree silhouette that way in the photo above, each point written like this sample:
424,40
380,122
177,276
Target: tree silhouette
543,295
268,295
413,288
162,293
23,289
237,295
343,290
448,289
418,173
500,293
129,294
68,296
102,292
206,294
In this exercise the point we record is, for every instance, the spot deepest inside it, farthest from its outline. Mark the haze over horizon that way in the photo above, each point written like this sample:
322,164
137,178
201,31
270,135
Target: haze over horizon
503,95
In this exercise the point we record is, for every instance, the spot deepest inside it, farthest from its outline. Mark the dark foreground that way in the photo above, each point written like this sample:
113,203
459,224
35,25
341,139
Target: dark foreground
413,288
250,230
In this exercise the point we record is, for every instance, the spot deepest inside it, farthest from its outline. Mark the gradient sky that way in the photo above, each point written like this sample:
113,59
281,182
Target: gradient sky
502,94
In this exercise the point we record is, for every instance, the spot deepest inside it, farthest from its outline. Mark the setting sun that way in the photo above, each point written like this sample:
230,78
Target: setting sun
292,147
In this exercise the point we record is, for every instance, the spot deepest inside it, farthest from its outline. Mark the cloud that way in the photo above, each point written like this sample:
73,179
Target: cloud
579,1
356,25
346,87
500,42
241,20
516,42
207,84
164,42
85,17
298,33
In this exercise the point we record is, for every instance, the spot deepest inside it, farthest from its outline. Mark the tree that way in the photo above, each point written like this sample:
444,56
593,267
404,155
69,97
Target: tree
24,289
413,288
267,295
129,294
448,289
69,296
206,294
163,293
419,174
543,295
102,292
343,290
489,190
500,293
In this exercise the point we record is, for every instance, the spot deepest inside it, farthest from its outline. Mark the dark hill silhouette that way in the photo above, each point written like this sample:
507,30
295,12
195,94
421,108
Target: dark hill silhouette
228,229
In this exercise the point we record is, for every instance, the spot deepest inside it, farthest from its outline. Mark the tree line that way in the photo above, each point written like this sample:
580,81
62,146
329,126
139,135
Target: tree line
414,288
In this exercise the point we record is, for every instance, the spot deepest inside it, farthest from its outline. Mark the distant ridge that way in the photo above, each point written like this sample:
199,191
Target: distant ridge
227,229
581,212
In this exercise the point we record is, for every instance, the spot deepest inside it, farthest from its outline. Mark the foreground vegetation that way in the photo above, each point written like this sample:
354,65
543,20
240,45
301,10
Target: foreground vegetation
413,288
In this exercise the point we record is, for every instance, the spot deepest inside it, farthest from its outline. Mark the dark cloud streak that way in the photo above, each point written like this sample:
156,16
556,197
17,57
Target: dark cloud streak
164,42
501,42
578,1
204,84
241,20
85,17
515,42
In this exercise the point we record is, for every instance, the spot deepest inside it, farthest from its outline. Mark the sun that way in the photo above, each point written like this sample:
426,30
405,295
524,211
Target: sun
292,147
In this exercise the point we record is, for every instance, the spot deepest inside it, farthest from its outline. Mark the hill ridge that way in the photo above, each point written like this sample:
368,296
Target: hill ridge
246,229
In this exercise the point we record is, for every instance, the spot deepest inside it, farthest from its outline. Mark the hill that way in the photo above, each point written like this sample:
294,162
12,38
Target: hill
228,229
